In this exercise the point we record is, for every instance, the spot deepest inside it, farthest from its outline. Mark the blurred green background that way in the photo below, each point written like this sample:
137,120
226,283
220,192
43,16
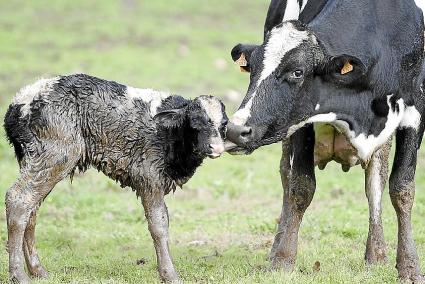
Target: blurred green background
223,221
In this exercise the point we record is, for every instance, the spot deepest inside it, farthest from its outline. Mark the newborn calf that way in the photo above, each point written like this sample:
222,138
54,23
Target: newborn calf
147,140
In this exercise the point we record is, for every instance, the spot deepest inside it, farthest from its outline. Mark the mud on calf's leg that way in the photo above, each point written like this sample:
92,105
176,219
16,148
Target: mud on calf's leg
157,215
376,175
297,197
32,259
402,192
17,215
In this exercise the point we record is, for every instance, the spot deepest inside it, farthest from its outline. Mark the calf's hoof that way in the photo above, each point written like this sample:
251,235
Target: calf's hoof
279,263
169,276
40,273
19,278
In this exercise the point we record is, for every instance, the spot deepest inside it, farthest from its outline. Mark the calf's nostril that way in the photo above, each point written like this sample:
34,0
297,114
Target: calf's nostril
247,131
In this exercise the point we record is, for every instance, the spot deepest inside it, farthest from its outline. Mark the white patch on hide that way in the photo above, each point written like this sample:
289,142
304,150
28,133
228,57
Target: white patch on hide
411,118
28,93
326,117
152,97
374,191
365,146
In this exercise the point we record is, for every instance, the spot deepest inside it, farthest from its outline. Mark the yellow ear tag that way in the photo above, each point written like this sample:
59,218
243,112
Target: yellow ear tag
347,68
242,62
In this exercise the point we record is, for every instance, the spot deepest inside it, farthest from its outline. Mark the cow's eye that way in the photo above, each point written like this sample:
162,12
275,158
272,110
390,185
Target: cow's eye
297,74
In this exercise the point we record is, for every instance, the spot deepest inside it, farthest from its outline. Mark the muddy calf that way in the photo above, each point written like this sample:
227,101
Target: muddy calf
147,140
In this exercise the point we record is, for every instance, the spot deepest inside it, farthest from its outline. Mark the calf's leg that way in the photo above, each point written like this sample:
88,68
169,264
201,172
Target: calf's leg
376,175
37,179
297,197
35,268
402,192
157,216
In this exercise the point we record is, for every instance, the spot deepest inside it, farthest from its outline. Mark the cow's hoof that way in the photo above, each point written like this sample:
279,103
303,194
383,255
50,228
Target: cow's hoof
19,278
40,273
407,277
376,255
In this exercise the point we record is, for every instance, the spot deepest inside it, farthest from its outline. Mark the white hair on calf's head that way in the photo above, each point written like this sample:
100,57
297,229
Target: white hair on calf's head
212,107
214,110
27,94
152,97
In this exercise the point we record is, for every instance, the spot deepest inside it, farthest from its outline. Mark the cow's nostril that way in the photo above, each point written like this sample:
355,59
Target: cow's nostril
246,132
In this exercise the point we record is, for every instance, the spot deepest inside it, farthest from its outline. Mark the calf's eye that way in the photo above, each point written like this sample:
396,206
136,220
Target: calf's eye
297,74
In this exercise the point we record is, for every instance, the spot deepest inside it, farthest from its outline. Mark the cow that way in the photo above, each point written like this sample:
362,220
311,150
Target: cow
333,145
352,68
147,140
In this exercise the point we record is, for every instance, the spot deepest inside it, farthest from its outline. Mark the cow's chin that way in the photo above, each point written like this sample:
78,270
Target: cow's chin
250,147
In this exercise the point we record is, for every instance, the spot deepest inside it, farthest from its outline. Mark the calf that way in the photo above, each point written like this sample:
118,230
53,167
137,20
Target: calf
147,140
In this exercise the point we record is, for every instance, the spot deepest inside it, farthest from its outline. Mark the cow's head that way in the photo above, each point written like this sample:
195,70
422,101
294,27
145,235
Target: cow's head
290,74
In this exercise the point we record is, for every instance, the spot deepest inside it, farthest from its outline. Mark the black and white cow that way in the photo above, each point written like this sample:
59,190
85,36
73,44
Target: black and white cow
356,67
331,144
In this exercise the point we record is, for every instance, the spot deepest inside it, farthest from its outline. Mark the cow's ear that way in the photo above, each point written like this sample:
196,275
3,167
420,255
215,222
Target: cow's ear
343,69
241,54
172,118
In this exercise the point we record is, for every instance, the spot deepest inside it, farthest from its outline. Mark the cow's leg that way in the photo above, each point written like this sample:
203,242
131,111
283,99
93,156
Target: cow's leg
157,215
376,175
285,170
297,197
402,191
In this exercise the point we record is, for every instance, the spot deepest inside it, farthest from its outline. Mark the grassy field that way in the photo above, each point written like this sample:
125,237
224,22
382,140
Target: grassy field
223,221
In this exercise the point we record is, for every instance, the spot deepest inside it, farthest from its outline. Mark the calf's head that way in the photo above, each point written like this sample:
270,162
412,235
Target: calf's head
204,119
293,81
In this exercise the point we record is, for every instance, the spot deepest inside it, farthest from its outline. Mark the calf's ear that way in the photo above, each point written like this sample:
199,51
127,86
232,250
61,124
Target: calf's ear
172,118
343,69
241,54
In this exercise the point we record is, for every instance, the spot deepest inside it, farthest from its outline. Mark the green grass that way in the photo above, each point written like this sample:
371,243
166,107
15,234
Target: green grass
223,221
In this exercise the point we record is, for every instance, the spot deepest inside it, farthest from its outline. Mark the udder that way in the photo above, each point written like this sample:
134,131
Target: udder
333,145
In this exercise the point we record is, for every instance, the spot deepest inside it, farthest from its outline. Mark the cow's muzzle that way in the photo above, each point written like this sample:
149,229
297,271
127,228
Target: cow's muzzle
237,137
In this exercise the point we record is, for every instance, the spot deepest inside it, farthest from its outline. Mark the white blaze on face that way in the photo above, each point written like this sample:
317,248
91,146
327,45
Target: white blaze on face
28,93
213,108
148,96
282,40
